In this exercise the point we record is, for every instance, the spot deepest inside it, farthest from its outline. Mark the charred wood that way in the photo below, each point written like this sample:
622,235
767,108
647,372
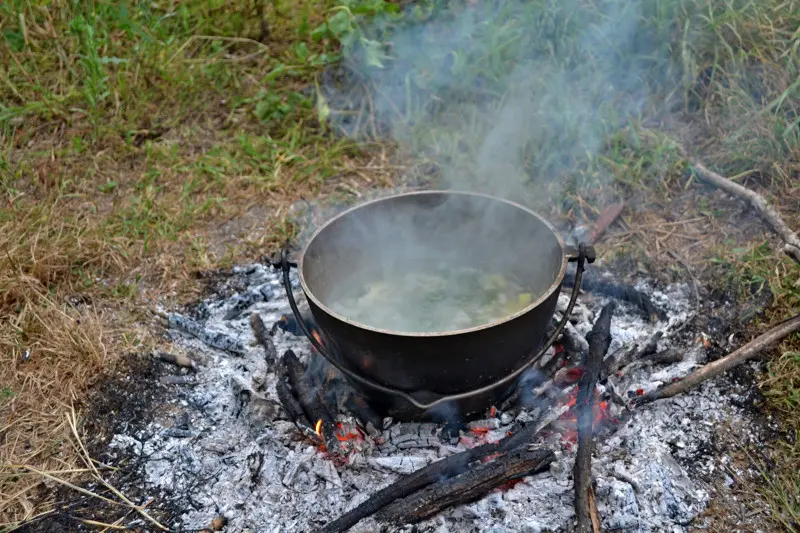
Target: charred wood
435,472
442,469
599,341
593,283
313,404
667,357
412,435
630,355
287,323
466,487
573,343
290,404
242,302
262,336
215,339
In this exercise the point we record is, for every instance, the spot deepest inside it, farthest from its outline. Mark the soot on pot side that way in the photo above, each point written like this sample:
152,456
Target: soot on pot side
228,445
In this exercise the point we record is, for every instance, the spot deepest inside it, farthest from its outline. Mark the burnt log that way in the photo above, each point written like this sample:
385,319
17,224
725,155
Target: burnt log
312,401
262,336
466,487
630,355
599,341
443,469
591,282
290,404
408,484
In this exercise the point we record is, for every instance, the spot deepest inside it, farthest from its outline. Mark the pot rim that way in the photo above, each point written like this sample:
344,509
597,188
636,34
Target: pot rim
507,318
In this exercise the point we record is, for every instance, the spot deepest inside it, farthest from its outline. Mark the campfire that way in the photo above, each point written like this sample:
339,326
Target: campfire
273,438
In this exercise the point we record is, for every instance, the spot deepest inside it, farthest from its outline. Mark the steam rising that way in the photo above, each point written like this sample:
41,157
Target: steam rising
500,94
509,98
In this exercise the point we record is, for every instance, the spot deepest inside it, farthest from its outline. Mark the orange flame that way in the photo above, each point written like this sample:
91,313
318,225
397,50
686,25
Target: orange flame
318,427
317,336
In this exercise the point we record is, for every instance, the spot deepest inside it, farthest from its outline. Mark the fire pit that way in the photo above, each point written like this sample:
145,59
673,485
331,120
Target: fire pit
263,431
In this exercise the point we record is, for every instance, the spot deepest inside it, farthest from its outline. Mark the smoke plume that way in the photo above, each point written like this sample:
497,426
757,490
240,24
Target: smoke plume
504,94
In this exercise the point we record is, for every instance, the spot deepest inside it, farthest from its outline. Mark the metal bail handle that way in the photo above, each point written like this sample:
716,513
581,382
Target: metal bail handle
581,255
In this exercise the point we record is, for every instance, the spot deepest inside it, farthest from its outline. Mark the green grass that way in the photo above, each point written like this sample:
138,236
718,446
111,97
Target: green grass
131,132
749,271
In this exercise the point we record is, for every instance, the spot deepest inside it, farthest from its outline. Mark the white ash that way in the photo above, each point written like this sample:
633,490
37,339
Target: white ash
230,452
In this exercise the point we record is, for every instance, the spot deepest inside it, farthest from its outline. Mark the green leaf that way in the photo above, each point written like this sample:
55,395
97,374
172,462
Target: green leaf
107,187
373,53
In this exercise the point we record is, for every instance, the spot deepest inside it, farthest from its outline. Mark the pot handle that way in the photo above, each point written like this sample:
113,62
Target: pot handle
581,255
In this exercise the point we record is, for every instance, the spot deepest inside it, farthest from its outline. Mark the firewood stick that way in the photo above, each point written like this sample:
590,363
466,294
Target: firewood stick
606,218
720,366
443,469
626,293
262,336
177,359
291,405
759,203
593,513
466,487
311,400
599,341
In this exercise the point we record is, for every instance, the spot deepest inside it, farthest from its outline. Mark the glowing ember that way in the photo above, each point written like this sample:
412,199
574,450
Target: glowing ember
347,436
569,421
510,484
492,412
574,374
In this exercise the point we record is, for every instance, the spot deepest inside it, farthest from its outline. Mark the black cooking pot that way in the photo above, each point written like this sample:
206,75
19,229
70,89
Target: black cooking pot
445,374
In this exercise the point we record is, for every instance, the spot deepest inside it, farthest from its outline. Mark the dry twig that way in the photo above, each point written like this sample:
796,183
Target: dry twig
714,369
759,203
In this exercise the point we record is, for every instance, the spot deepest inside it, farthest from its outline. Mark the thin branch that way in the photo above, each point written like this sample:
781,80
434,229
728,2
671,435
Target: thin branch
759,203
720,366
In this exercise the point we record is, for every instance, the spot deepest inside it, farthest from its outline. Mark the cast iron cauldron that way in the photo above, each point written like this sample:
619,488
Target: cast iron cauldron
449,374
